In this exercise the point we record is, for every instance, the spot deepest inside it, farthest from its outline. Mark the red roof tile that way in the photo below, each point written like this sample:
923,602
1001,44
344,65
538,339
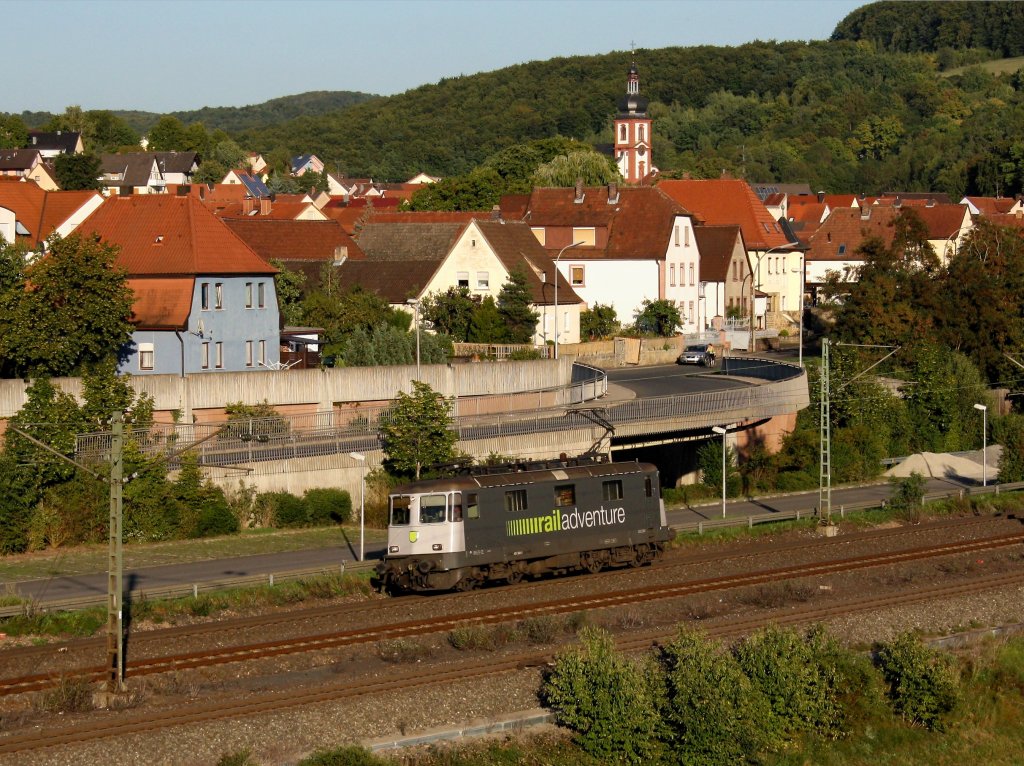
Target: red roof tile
728,201
847,228
943,221
161,304
161,235
295,240
716,244
992,205
39,211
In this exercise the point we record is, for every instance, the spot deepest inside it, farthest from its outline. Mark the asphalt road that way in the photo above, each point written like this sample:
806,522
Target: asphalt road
152,578
668,379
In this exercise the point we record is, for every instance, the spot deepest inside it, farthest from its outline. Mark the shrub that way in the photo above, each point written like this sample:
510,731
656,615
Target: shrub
402,650
923,685
351,755
795,481
789,672
328,506
215,518
70,695
908,496
714,713
286,510
609,701
541,630
241,758
466,637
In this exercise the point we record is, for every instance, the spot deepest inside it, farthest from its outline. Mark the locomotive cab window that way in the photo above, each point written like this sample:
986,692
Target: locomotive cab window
400,510
648,486
515,500
565,495
472,506
611,490
433,509
455,512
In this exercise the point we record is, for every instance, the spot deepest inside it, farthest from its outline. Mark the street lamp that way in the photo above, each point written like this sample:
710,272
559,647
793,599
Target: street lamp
362,503
984,443
416,318
723,430
560,252
803,289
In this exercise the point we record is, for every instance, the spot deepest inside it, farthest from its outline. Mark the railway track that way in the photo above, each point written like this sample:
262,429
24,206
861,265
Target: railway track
31,655
136,723
413,628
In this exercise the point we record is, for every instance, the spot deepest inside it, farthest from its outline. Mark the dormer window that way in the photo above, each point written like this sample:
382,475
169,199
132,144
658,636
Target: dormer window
842,249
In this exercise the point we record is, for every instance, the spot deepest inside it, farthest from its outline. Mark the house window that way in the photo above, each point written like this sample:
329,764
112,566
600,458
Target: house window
538,232
218,296
672,275
641,132
686,234
565,495
248,295
483,280
692,283
842,249
220,355
204,296
676,237
263,353
622,133
261,295
206,356
611,490
248,353
515,500
576,275
585,235
145,356
691,314
769,265
462,279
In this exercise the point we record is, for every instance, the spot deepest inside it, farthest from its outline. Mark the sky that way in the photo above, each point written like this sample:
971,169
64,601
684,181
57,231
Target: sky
170,55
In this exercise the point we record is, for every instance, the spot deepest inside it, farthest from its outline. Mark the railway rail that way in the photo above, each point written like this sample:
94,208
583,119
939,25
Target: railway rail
435,624
135,723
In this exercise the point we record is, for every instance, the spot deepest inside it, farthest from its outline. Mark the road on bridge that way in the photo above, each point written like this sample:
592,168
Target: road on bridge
669,379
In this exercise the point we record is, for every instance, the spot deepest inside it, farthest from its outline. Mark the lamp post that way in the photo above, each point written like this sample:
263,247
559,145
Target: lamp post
414,302
362,503
560,252
803,289
984,443
723,430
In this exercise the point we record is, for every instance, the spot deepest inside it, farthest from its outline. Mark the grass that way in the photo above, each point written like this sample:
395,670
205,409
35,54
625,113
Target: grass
88,622
997,67
89,559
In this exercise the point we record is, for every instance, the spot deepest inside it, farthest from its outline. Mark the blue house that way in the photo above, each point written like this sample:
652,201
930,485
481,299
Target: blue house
204,301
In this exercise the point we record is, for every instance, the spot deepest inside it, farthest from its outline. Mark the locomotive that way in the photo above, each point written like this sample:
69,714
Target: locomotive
464,531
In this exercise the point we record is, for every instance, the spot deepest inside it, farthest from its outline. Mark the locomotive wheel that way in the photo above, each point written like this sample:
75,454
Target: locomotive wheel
640,554
514,577
465,584
592,563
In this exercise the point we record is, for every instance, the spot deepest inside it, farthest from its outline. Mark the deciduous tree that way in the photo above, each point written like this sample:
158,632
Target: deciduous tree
418,431
660,318
77,172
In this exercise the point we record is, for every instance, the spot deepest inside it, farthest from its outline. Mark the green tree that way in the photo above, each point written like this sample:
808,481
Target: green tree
450,312
312,182
168,135
417,431
13,133
659,318
515,305
1009,432
593,168
76,312
76,172
487,325
598,322
110,133
709,459
288,287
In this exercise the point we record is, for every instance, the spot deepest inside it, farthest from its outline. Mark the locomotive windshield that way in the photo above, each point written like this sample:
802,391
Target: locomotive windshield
400,510
433,508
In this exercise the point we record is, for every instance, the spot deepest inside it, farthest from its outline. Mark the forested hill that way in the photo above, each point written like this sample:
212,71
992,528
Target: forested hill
931,27
236,118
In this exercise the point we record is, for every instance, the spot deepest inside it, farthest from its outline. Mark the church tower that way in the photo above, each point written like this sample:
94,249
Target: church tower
633,132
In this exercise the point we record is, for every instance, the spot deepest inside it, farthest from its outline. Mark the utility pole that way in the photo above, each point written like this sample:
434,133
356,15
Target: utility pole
115,580
825,462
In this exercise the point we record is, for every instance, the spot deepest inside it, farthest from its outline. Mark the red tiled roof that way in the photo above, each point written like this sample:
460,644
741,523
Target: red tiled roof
943,221
992,205
424,216
716,244
806,212
1015,220
294,240
637,225
161,235
282,211
729,201
841,200
39,211
161,304
847,228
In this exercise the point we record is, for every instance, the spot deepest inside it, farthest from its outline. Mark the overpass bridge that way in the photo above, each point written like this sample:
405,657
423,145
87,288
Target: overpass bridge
291,453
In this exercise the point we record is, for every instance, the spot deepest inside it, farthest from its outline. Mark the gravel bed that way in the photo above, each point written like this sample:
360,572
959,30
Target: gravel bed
285,737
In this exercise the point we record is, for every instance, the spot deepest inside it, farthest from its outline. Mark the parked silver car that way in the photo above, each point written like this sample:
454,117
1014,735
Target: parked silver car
700,353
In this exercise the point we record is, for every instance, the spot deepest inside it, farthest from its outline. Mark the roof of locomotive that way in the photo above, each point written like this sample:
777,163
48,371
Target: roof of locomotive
522,477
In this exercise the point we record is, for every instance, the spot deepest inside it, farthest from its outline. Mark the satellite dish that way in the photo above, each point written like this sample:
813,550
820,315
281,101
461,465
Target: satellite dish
200,328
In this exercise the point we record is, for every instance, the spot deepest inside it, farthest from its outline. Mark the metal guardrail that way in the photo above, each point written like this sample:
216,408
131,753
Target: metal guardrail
183,591
751,520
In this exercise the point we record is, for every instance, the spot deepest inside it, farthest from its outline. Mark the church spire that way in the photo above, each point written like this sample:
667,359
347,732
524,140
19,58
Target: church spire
633,131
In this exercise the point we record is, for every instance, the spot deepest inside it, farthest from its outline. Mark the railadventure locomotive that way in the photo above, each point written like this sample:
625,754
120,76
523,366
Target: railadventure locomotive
467,530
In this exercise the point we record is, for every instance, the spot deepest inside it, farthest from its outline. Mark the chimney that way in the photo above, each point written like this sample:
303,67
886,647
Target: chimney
496,213
821,196
1019,213
865,213
340,254
930,203
248,205
265,205
613,193
579,192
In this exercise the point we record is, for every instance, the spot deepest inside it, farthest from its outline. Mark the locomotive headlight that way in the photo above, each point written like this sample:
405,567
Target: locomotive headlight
435,547
392,549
